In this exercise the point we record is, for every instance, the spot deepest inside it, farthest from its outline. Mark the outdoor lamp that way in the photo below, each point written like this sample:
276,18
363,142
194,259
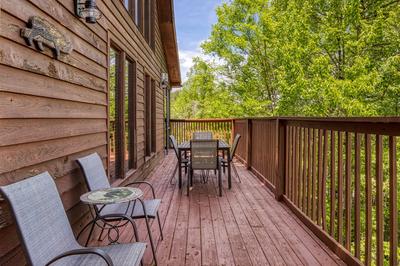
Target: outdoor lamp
164,80
88,10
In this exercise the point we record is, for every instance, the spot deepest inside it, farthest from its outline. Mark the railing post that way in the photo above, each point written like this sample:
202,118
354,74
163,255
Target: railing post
248,146
232,130
281,155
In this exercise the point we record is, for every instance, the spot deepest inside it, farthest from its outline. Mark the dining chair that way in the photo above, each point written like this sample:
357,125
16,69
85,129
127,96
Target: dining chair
184,161
202,135
96,178
46,234
204,156
224,161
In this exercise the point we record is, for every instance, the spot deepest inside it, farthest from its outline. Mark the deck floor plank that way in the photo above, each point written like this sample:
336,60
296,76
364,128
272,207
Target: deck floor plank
246,226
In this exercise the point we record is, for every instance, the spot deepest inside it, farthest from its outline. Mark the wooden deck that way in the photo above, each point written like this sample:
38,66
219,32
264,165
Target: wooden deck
246,226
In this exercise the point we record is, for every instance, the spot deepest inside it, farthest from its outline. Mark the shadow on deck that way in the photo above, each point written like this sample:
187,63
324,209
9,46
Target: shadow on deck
246,226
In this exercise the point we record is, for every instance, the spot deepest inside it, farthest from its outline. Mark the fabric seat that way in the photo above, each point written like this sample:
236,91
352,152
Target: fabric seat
121,255
204,156
46,233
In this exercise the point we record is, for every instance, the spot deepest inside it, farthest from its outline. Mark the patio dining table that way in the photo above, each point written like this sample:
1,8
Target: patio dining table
222,146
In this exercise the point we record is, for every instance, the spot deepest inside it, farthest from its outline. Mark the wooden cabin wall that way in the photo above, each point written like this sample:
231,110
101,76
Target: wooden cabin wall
54,111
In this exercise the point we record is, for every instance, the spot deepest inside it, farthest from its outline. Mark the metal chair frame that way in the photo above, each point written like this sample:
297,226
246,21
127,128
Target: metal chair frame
213,149
119,217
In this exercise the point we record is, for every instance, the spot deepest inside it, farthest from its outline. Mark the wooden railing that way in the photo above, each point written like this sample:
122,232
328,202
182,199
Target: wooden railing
183,129
339,176
257,148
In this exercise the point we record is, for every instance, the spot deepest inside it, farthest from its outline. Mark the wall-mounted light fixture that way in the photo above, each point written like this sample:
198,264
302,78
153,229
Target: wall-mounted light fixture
164,80
88,10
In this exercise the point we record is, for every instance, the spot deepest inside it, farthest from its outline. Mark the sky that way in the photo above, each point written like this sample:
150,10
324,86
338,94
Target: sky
193,19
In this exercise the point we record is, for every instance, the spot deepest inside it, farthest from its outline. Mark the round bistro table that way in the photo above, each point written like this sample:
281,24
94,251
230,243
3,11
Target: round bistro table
103,197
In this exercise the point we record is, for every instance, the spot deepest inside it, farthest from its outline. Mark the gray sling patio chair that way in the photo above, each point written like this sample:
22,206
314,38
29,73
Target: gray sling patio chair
96,178
224,161
204,156
202,135
184,161
46,234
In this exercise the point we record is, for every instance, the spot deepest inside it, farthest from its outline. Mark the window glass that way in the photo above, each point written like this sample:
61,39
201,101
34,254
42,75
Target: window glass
112,100
129,114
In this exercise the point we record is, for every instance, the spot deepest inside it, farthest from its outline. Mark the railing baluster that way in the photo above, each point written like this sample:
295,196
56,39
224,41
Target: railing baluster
348,190
288,163
379,201
314,185
324,174
293,165
300,195
305,170
340,189
333,187
296,166
320,199
393,201
357,197
309,187
368,199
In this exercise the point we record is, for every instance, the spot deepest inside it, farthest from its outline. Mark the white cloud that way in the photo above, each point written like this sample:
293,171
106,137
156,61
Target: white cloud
186,60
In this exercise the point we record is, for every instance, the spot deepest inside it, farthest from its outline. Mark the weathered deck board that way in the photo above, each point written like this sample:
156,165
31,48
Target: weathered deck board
246,226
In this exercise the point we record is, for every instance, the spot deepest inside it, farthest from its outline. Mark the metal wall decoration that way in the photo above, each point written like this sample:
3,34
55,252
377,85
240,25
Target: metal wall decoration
41,32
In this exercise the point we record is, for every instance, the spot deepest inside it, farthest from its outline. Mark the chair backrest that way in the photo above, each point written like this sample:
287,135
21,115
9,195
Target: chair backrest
204,154
42,223
174,145
234,145
202,135
93,170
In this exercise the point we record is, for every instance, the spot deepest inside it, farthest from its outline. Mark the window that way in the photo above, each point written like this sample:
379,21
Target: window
149,22
130,115
147,114
122,114
139,14
153,116
113,111
135,9
150,115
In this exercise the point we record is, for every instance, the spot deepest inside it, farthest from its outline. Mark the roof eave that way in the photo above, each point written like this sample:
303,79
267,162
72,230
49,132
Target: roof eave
166,23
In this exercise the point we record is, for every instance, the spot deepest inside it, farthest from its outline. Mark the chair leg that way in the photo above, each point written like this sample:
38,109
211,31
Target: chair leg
220,182
153,248
101,234
90,233
188,180
173,175
236,172
159,225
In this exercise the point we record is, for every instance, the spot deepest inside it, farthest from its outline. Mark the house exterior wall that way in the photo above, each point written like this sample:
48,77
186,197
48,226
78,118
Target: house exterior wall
54,111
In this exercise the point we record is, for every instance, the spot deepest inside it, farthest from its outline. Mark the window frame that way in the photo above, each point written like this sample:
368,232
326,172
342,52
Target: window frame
119,117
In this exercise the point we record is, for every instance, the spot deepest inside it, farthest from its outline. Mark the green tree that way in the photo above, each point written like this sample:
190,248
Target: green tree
312,58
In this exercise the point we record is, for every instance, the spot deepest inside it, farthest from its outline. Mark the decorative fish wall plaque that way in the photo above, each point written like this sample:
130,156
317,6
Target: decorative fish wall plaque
41,32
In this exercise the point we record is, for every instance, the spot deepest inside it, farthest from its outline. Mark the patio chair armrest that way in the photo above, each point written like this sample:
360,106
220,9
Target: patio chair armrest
84,251
143,182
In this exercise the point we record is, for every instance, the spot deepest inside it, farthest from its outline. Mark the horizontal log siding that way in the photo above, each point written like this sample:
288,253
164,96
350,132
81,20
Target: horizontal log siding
54,111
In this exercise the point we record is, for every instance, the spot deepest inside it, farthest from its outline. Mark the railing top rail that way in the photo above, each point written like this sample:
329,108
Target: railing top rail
202,120
375,119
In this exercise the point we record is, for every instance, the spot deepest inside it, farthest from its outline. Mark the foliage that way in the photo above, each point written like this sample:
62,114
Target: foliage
301,58
287,57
